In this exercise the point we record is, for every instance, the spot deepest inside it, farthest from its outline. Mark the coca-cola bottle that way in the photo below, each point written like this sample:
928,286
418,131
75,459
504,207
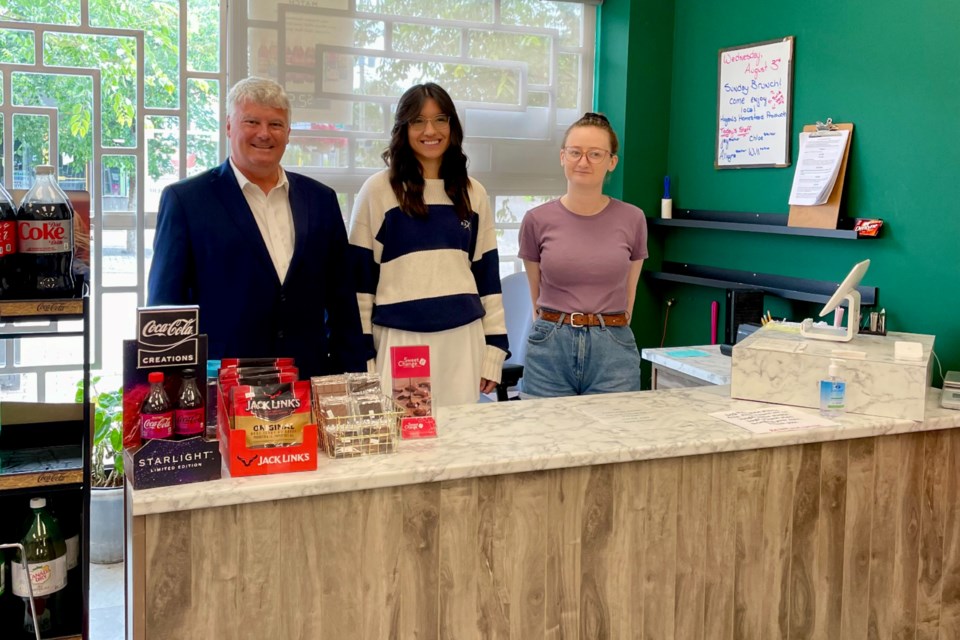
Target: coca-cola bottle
8,244
45,238
47,563
189,418
156,414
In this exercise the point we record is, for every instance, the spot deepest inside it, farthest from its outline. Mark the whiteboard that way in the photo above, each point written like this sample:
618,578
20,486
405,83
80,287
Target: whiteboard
754,105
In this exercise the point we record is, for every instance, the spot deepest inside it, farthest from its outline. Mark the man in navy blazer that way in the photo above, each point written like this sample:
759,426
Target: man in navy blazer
263,252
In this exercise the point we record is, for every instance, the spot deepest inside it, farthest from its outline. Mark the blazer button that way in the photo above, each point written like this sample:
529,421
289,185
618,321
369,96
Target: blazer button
283,297
280,334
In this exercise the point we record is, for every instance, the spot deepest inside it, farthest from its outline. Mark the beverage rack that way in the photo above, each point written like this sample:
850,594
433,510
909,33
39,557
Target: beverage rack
45,452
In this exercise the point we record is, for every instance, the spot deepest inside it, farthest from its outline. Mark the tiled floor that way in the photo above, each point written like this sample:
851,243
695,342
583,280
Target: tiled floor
106,602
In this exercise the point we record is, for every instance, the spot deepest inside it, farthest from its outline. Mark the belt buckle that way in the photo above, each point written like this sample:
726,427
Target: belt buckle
573,321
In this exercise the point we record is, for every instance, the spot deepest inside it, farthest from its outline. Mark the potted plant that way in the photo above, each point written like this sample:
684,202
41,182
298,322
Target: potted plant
106,473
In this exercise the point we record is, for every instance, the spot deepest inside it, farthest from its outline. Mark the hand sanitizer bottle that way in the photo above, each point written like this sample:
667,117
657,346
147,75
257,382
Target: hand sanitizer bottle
833,391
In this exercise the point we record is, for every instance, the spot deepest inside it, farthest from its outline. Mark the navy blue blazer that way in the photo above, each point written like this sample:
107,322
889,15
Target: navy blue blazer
209,251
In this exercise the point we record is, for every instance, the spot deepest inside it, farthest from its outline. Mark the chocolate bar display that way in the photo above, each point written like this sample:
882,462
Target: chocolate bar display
360,422
412,390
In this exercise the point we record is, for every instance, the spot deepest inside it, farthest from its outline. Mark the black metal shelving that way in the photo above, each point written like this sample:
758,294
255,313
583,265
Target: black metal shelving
818,291
748,222
45,451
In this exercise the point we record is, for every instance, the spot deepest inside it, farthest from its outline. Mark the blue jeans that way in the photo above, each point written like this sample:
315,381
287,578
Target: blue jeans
563,360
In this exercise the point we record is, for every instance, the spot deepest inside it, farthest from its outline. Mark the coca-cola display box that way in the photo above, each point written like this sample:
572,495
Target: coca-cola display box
163,428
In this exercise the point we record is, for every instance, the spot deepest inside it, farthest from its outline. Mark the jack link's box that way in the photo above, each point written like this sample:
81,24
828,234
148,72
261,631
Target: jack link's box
167,341
777,365
244,460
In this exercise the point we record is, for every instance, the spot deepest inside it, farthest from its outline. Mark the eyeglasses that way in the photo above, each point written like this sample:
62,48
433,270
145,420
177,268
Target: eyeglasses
440,122
594,156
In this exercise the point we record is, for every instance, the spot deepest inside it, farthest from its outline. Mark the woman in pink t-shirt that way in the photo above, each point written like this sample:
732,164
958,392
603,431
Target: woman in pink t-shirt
583,254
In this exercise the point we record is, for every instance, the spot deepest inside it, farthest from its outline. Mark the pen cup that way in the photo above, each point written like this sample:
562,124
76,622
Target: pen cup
666,208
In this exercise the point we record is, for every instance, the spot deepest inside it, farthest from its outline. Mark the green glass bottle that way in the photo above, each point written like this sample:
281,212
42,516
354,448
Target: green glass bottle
47,562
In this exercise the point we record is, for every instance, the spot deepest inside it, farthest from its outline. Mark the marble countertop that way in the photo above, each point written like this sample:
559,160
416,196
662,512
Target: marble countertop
532,435
714,367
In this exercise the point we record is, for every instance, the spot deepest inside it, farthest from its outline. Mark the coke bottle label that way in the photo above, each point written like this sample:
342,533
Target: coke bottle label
156,425
45,236
8,237
189,422
47,577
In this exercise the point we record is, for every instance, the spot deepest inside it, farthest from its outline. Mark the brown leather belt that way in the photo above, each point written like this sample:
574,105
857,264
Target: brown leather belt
586,319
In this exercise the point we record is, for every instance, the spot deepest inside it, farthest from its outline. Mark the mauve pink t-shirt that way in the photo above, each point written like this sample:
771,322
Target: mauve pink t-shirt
584,260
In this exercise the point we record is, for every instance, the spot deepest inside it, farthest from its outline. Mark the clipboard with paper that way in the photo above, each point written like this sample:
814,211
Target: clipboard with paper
819,176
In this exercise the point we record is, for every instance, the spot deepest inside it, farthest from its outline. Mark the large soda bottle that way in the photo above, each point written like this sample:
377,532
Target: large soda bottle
69,602
45,238
189,418
47,561
8,244
156,413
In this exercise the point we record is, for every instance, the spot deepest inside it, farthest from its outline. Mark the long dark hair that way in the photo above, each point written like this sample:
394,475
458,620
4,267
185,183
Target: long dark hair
406,174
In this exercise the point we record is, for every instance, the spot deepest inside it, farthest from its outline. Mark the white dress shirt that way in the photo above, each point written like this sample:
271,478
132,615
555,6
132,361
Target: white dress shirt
274,218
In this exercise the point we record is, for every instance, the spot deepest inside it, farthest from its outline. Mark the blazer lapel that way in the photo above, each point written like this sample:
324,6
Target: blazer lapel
238,211
300,208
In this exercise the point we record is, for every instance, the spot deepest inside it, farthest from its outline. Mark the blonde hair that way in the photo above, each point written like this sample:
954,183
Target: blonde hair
262,91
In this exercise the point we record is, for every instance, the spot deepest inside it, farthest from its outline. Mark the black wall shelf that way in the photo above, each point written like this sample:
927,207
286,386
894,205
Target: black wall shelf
748,222
803,289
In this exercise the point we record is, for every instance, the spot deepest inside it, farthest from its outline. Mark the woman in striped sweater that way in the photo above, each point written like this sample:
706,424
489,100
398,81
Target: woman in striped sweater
425,254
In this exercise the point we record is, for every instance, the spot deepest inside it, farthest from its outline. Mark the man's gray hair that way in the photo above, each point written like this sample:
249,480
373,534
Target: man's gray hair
262,91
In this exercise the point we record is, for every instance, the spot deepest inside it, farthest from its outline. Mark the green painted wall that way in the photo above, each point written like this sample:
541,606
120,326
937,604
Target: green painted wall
634,77
893,71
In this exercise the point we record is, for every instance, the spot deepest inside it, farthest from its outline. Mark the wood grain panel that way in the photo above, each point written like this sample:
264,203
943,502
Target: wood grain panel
803,548
831,541
930,580
459,561
883,540
304,522
598,583
749,569
168,558
214,566
660,549
779,468
380,540
565,511
907,553
693,513
525,539
419,563
259,584
846,540
629,560
950,594
857,536
721,547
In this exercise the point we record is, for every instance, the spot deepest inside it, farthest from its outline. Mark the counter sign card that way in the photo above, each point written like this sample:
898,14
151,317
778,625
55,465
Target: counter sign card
412,390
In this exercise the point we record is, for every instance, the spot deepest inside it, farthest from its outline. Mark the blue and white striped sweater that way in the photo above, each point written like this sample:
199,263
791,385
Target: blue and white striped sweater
432,274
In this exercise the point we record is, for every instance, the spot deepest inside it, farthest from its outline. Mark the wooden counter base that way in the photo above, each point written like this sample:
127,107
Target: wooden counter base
848,539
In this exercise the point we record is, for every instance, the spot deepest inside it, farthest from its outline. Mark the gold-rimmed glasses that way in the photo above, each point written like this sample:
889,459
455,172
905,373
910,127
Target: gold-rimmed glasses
440,122
594,156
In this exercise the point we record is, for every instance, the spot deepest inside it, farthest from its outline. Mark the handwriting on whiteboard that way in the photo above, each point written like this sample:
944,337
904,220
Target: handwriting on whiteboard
753,122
